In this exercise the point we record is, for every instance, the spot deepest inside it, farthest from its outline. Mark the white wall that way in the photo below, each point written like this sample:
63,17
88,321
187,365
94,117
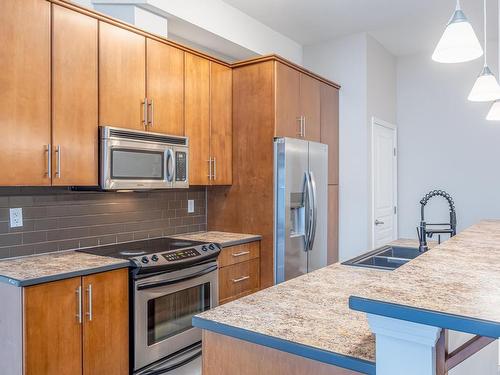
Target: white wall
445,142
366,72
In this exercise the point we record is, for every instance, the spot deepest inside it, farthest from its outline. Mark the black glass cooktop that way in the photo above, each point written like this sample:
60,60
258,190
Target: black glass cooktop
133,249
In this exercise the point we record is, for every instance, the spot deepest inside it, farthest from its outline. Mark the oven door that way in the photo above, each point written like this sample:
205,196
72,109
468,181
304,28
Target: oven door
164,307
128,164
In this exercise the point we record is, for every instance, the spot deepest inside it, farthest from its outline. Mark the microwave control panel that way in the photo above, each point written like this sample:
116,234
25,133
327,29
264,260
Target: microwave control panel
180,166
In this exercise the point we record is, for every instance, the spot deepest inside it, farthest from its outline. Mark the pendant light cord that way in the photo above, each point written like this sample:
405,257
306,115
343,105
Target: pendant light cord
485,40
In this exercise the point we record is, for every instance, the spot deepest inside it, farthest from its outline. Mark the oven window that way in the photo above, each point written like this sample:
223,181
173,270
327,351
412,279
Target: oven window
136,164
171,314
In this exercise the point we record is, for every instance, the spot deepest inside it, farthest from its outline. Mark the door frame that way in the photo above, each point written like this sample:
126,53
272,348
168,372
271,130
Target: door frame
378,122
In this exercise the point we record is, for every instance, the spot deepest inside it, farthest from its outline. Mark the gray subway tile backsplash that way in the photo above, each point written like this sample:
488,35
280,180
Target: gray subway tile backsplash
57,219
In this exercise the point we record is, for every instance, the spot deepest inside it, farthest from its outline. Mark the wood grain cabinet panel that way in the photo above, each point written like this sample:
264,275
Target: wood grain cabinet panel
74,98
330,129
165,88
238,280
239,253
287,101
333,224
25,83
310,107
105,333
122,77
221,124
52,332
197,117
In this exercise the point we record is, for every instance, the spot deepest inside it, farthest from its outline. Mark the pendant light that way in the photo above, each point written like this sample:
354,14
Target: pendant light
486,88
494,112
459,42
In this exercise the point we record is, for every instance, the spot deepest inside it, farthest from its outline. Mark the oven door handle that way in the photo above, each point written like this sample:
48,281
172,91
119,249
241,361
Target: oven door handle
173,281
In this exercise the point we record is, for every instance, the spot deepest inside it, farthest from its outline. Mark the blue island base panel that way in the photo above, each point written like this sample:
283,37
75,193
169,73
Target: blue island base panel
351,363
427,317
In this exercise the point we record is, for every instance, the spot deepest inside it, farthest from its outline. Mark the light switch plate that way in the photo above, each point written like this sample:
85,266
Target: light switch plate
16,217
190,206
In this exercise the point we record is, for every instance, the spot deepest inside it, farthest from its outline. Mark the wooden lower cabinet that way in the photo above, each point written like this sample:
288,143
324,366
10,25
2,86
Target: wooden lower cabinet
239,271
77,326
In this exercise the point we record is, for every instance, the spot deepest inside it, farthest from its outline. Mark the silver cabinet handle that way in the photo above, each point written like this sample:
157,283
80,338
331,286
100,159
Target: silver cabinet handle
48,150
241,279
379,222
215,168
79,304
305,125
145,113
299,120
210,168
58,152
151,117
241,253
89,313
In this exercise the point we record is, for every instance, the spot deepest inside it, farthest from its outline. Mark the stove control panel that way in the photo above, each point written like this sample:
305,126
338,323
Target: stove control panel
173,256
177,257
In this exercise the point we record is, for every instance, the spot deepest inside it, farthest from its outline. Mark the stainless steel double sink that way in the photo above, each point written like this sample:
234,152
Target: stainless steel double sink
386,257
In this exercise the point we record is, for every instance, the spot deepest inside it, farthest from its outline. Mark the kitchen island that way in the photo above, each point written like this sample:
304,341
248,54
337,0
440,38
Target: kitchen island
323,322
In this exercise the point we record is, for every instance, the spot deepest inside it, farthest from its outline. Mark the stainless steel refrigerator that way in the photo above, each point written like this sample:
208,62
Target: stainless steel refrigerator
300,207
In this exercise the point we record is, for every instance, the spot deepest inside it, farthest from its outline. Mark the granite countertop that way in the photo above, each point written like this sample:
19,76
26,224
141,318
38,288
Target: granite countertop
39,269
224,238
454,286
308,316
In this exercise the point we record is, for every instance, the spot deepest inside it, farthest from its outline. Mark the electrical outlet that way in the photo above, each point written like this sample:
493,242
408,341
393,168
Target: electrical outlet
16,217
190,206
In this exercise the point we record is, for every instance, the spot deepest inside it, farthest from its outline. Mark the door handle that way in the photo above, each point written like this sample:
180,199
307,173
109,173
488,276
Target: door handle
209,169
215,168
58,152
151,115
379,222
79,304
89,313
299,120
314,213
48,150
145,113
305,125
240,279
240,254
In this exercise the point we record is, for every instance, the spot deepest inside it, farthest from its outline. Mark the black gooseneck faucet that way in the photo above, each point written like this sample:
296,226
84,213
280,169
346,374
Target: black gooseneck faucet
422,230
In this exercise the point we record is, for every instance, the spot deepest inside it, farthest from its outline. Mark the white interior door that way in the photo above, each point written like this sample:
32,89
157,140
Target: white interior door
384,190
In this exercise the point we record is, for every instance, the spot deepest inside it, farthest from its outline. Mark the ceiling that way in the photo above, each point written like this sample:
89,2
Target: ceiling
404,27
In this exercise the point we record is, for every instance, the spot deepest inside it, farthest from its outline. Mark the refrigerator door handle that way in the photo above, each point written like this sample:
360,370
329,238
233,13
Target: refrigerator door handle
306,204
314,213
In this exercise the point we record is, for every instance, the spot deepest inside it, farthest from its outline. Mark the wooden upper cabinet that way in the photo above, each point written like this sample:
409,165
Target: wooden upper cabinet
106,323
330,129
25,83
165,88
197,117
287,93
122,77
221,125
310,107
52,331
74,98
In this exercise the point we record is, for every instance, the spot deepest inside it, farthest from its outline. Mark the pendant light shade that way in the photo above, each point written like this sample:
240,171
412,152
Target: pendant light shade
486,88
494,112
459,42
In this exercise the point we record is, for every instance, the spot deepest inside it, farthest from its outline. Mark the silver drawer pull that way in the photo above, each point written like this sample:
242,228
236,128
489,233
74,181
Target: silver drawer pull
241,253
241,279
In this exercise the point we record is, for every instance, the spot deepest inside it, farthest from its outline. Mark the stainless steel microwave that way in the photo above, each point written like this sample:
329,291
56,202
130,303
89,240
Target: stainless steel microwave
137,160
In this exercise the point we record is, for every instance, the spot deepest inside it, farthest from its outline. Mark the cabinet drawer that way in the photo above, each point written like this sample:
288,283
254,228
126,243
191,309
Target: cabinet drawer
239,253
238,280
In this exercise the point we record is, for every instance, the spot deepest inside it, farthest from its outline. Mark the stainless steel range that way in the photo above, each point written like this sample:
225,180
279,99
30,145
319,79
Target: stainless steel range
171,280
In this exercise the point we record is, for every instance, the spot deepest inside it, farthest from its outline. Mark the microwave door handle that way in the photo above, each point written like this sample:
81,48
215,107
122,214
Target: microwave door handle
169,165
157,284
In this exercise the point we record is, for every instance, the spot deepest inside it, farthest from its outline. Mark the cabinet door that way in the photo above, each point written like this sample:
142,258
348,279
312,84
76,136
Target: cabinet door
310,107
165,86
287,98
333,224
74,98
106,323
330,129
197,117
25,83
52,331
122,77
221,124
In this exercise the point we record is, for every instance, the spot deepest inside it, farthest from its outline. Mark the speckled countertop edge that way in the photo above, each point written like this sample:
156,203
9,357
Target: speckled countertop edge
225,239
